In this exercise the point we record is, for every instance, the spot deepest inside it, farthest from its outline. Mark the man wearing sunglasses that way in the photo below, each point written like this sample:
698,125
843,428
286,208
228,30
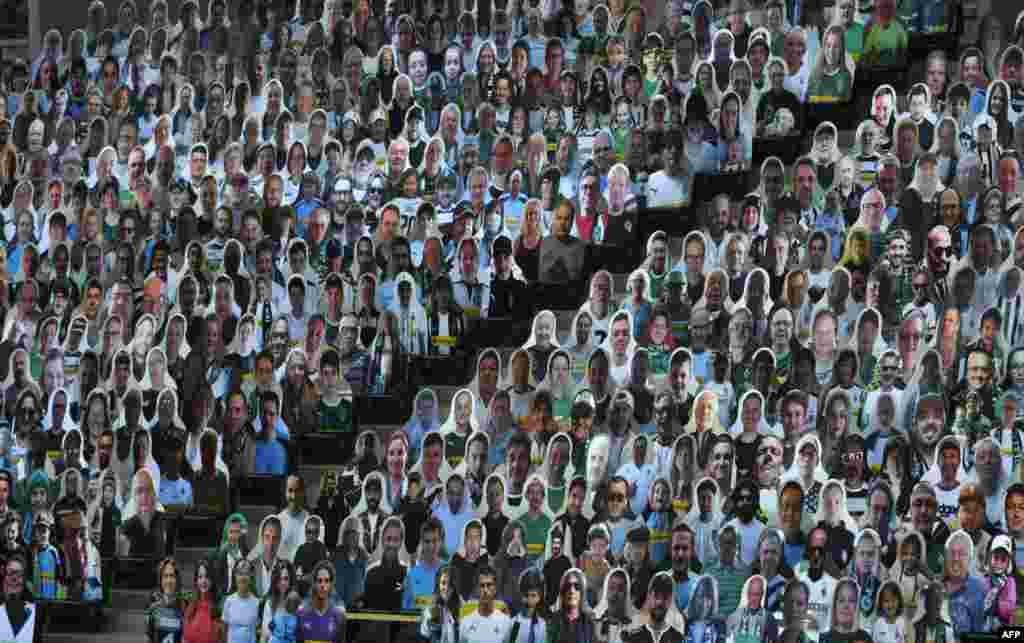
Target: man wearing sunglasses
745,501
619,519
938,259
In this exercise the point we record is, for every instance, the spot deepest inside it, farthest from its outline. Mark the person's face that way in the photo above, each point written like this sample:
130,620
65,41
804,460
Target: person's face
144,498
957,558
769,461
845,605
971,71
906,141
793,50
1015,513
720,462
782,327
495,495
791,509
940,252
979,369
169,579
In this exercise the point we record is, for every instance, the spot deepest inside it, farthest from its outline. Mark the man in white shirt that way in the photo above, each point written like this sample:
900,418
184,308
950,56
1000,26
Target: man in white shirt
486,624
671,187
821,584
745,499
293,518
797,71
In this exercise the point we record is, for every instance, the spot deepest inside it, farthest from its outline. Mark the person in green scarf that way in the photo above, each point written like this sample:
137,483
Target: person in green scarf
35,503
233,547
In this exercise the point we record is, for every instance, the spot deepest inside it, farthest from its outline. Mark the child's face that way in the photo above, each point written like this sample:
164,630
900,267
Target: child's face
890,603
533,599
39,498
1000,562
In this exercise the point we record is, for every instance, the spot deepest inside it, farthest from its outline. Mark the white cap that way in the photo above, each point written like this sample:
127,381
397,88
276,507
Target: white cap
1002,541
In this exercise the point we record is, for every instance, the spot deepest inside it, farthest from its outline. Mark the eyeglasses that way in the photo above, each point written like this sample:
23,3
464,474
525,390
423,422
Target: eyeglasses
573,586
947,251
616,497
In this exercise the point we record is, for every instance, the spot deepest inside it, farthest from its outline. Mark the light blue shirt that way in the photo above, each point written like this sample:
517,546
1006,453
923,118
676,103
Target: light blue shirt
271,458
176,492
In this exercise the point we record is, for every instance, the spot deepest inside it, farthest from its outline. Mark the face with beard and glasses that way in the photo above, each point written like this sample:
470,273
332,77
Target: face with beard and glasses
745,503
940,251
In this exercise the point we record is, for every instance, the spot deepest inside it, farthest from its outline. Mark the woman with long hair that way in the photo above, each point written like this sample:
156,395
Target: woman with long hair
202,623
241,608
526,248
599,95
573,620
283,581
167,604
831,79
388,368
439,623
997,105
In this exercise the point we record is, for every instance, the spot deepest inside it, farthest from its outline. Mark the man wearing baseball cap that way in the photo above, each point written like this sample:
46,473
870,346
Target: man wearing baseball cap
379,133
508,290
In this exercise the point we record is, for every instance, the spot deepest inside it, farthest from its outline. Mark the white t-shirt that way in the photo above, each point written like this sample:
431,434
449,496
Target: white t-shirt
667,191
750,535
820,601
240,615
443,331
477,628
949,503
885,632
821,279
293,532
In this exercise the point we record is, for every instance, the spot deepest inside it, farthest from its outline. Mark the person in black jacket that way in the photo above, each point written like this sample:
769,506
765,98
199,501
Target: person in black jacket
777,98
509,295
385,579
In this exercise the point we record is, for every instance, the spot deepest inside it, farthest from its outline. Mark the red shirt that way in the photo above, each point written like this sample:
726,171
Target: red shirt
202,627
